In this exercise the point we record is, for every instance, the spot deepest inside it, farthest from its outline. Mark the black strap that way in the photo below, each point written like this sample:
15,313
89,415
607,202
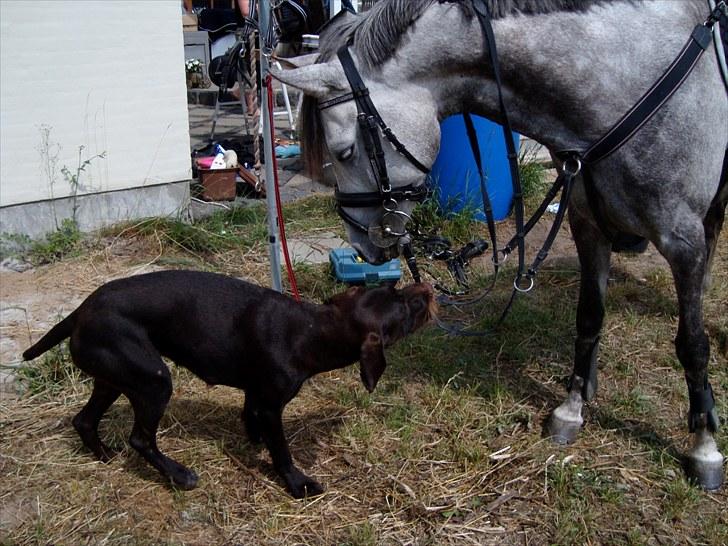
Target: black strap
481,10
365,105
374,199
702,402
653,99
323,105
487,207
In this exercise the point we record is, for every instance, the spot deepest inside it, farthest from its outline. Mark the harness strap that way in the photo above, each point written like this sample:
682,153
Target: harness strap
719,37
654,98
481,10
565,183
364,103
645,108
374,199
487,207
323,105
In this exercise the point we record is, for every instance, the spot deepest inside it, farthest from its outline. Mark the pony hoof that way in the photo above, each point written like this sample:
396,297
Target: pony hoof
707,474
562,432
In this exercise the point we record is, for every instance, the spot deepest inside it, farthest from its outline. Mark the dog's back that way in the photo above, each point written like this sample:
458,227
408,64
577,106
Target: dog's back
197,319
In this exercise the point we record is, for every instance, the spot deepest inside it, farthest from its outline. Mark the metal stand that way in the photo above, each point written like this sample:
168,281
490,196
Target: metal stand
264,22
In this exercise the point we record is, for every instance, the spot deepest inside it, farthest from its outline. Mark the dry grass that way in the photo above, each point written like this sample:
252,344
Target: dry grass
448,450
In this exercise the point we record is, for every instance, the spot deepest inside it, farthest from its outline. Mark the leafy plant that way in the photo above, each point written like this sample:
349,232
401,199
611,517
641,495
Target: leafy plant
58,244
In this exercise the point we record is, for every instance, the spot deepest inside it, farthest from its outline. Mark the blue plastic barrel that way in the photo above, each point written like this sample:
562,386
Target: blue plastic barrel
455,173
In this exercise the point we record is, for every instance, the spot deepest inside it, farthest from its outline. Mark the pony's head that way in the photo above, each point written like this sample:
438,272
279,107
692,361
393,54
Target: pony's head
332,130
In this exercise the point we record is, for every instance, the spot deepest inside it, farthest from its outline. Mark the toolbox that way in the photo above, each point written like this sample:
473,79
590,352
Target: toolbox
348,267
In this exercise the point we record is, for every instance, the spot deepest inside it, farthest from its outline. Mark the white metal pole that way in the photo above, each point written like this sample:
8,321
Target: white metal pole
264,22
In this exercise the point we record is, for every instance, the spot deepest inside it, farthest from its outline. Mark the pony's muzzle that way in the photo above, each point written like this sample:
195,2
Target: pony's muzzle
389,230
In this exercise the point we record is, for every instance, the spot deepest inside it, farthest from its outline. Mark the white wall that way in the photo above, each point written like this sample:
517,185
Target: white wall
104,74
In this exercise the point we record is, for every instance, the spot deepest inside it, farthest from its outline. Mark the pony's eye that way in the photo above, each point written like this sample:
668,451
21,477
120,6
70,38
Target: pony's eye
346,154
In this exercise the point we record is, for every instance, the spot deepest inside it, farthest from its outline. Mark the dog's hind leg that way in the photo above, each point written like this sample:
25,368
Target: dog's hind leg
149,399
127,361
87,420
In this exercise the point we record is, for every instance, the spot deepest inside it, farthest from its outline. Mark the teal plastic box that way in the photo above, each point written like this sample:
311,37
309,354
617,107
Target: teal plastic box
348,267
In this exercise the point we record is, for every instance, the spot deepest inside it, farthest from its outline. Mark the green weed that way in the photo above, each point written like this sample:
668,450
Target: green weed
62,243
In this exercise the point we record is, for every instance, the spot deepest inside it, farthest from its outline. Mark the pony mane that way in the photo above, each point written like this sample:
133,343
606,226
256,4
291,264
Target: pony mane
376,35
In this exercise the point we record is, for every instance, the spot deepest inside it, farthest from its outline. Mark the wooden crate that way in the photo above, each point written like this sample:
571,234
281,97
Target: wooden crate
218,184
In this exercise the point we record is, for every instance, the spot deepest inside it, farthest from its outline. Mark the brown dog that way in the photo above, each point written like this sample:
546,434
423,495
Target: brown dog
228,332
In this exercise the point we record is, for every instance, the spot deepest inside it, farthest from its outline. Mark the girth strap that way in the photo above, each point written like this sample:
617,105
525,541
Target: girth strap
487,207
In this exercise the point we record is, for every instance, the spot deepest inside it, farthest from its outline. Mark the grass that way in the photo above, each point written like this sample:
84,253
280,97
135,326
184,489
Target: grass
447,450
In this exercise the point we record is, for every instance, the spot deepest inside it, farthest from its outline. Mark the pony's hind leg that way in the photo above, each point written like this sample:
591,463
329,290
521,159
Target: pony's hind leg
713,221
594,256
687,253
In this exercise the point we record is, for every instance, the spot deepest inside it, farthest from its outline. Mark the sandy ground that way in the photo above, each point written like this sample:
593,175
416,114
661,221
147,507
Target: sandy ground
34,300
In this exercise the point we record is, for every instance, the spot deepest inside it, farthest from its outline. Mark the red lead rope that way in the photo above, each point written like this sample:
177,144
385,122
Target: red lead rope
281,223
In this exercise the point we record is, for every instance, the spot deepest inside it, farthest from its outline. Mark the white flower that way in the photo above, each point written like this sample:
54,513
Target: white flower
193,65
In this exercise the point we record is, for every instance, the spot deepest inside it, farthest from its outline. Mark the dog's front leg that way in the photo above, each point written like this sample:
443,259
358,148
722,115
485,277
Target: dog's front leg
271,427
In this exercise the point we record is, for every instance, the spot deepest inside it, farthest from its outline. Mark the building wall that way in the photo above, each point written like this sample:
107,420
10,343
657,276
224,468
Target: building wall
105,75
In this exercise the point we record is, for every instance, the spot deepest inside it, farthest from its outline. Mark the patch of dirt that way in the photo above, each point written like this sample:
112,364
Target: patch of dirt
34,300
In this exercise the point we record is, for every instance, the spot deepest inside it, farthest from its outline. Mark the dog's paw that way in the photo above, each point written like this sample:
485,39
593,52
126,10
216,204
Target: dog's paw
303,486
105,453
183,478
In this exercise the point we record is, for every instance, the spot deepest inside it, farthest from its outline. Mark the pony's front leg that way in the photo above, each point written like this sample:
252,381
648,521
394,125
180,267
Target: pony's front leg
594,254
686,255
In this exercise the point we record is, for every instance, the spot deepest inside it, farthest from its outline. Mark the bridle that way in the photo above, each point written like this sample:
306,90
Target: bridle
392,226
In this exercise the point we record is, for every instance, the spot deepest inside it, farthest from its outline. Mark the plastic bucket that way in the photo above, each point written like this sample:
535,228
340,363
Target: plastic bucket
455,173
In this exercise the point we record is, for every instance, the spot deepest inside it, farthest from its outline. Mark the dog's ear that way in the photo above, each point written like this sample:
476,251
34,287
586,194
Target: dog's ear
371,361
345,300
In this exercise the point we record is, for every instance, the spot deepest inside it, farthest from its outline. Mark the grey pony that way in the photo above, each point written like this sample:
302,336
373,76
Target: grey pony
571,69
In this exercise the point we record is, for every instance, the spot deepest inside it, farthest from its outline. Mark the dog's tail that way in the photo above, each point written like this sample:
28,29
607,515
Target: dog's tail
55,335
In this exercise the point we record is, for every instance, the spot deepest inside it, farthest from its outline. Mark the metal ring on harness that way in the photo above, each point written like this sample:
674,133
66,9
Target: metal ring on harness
505,252
577,167
517,285
388,229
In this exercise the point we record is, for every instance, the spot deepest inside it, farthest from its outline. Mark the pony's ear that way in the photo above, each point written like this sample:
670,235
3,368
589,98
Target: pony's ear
317,80
371,361
298,62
